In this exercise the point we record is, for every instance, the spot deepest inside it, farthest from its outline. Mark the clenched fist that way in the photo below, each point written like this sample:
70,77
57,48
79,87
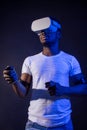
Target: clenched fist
10,74
51,86
55,88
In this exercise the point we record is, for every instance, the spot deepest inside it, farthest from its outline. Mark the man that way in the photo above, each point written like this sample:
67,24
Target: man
49,72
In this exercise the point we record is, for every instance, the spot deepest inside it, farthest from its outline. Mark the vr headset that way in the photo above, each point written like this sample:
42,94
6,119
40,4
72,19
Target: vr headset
44,24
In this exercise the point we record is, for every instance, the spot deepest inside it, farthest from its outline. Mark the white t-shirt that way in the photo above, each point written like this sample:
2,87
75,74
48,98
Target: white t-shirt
44,109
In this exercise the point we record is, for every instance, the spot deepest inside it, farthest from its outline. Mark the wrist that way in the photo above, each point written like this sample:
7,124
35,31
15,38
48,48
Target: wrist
61,90
15,82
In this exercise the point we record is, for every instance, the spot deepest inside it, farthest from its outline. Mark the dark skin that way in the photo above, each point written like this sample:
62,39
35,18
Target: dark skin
50,43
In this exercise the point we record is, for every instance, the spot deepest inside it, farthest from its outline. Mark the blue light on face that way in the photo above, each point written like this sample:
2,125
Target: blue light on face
47,31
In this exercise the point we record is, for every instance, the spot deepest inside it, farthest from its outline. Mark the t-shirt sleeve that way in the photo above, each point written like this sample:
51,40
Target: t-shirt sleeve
75,67
26,66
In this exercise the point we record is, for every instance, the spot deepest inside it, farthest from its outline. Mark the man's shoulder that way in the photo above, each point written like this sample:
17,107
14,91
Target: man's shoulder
33,56
67,54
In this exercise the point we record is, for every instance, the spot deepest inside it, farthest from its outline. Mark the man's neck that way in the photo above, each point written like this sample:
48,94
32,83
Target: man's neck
50,51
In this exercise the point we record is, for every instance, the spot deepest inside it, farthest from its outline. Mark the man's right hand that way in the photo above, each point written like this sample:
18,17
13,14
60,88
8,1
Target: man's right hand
10,74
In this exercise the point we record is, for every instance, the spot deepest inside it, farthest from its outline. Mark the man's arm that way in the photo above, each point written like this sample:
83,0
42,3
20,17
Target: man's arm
77,90
20,86
79,87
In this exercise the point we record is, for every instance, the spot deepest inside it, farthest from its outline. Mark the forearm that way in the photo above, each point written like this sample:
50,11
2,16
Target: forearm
77,90
19,88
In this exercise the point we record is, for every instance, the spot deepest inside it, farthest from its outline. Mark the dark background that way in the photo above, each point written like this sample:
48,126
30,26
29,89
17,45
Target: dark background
17,41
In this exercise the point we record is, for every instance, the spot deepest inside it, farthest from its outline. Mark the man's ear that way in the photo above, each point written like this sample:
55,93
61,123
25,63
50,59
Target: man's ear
59,35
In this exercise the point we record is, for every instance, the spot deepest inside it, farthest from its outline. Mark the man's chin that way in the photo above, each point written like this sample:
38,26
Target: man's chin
47,44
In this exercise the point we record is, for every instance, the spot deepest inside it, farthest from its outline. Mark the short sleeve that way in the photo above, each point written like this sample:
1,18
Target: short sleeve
26,66
75,67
